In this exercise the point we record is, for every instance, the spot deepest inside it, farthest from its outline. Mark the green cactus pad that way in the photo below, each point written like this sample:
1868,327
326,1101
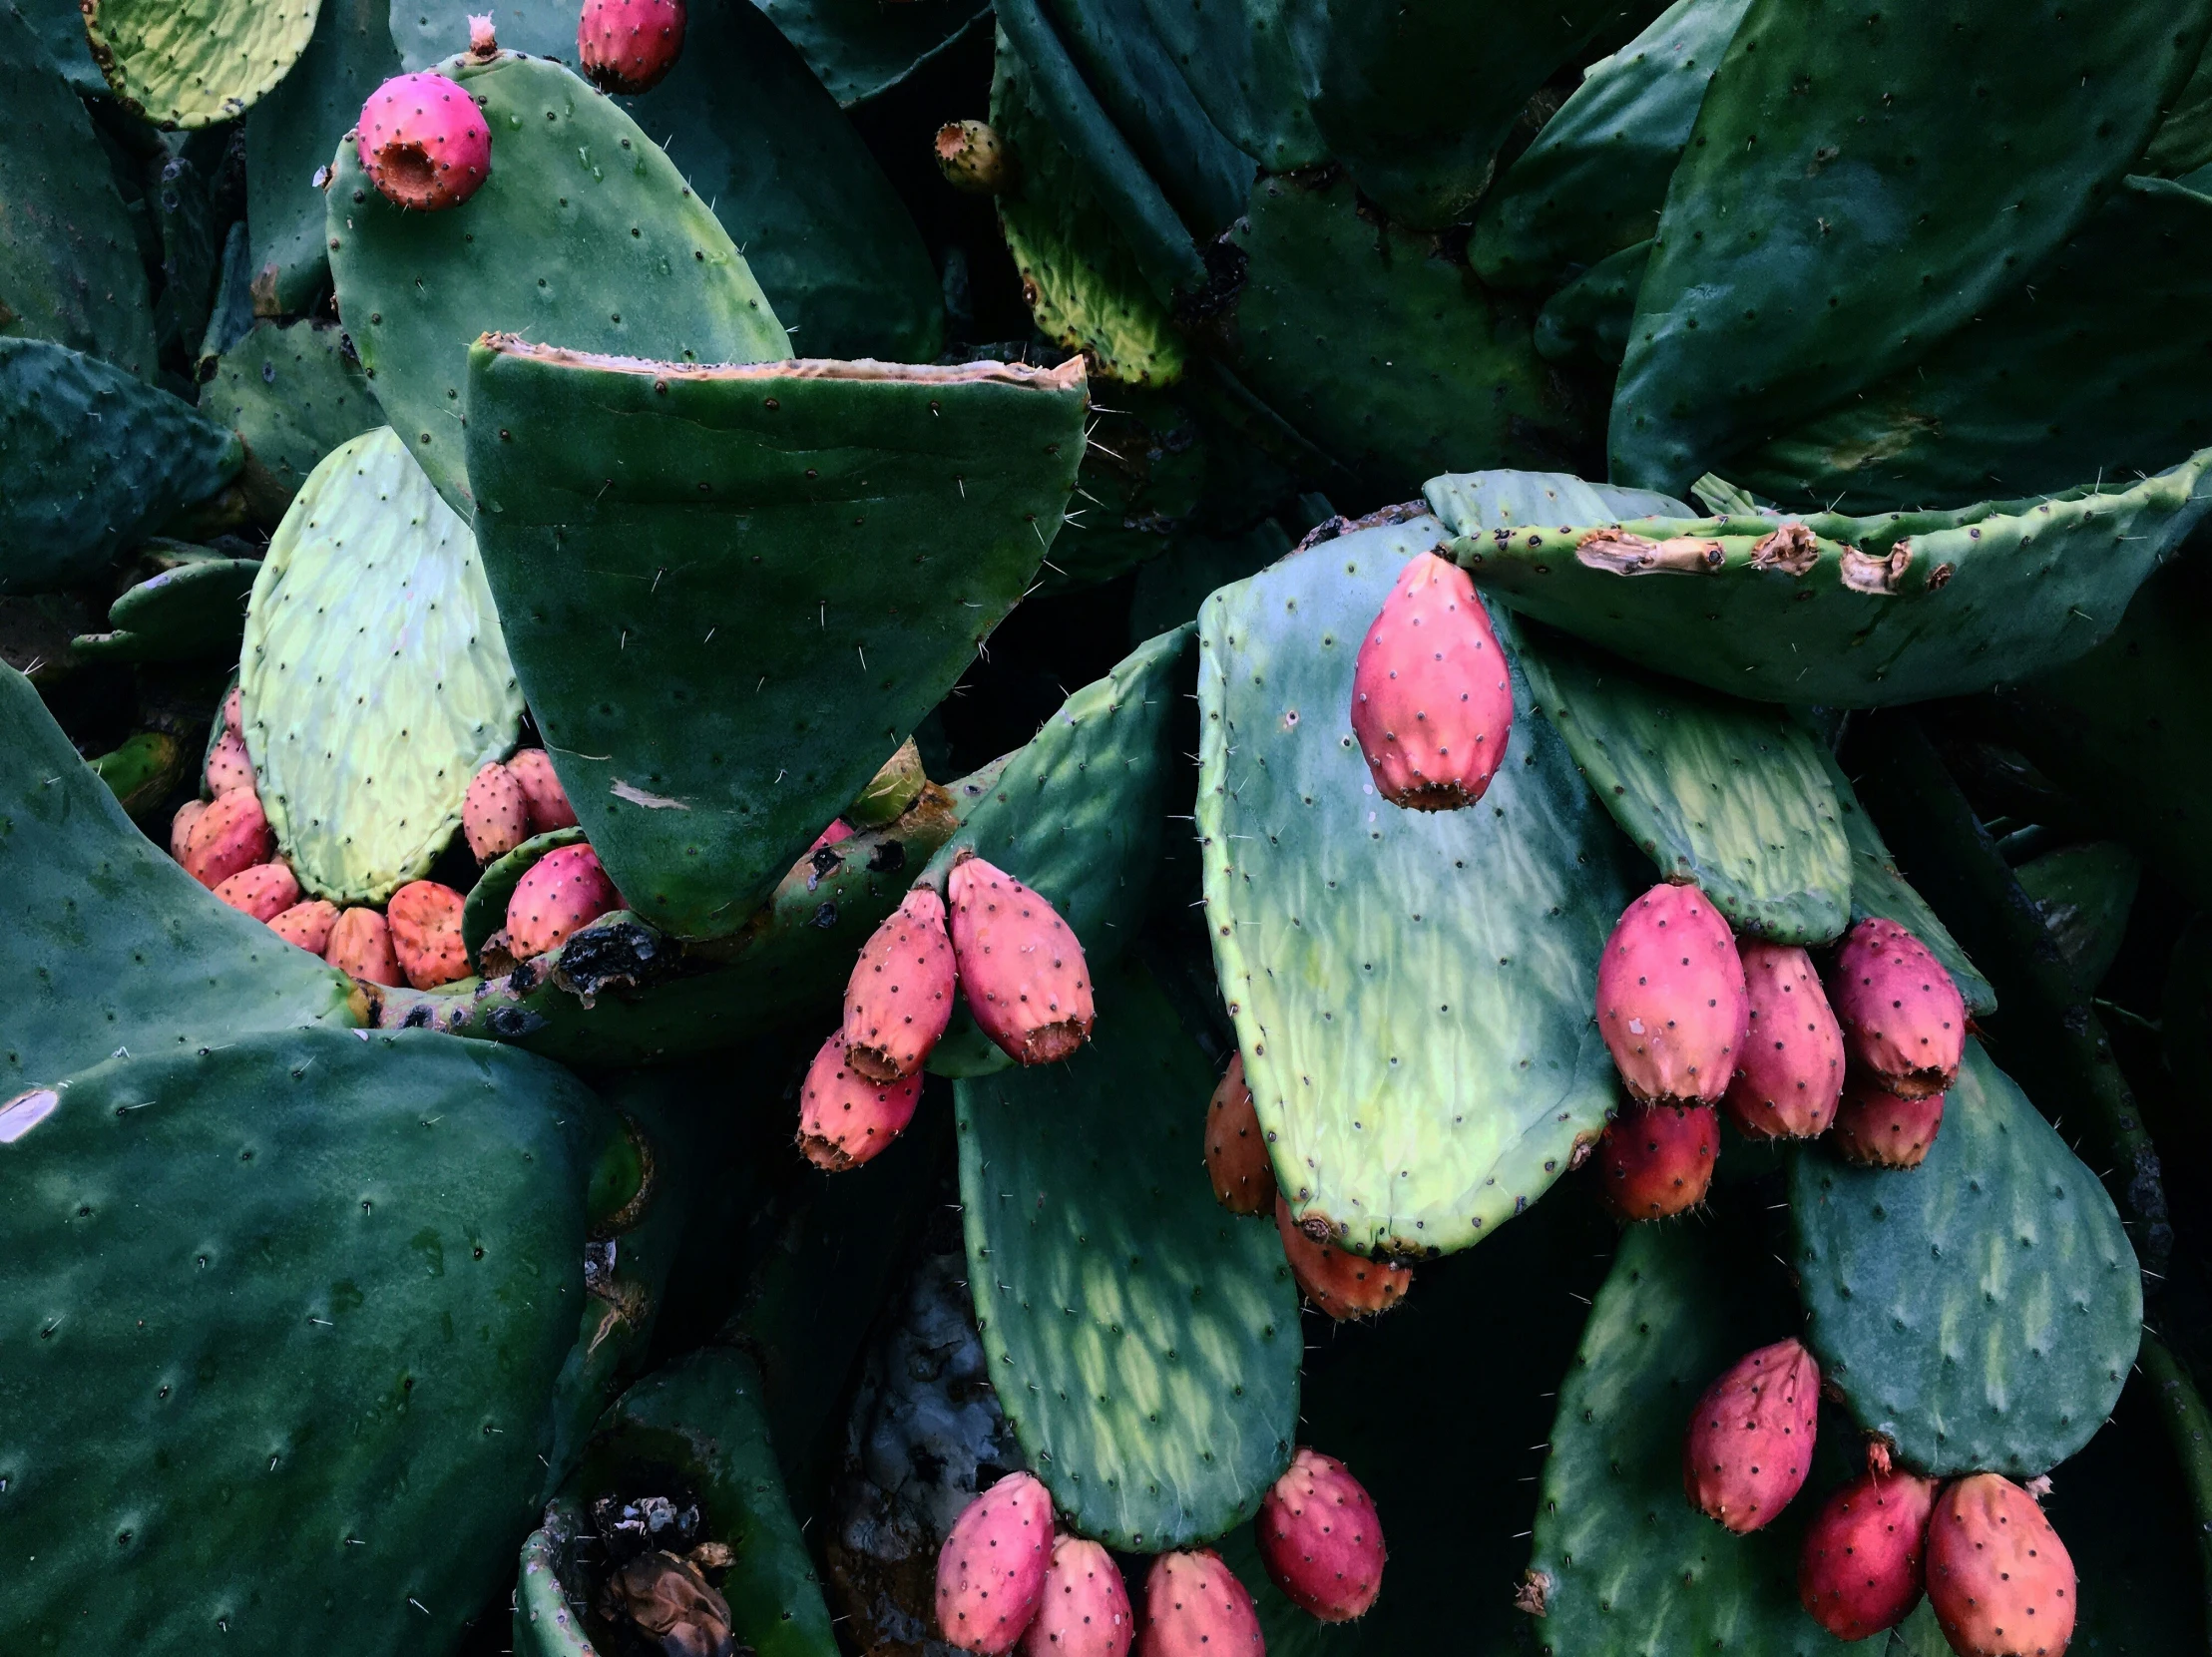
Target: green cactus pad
858,48
292,392
193,63
144,773
2085,894
375,675
689,531
193,612
1626,1567
1587,321
1142,1340
2183,141
1894,609
61,30
484,911
1412,989
1980,1311
1468,502
584,233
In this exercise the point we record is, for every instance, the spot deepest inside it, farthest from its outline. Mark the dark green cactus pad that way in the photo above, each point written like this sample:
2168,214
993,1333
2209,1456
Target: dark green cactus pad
1798,259
144,773
545,1624
1623,1564
1142,1340
61,30
1587,321
858,48
585,232
177,196
689,530
483,910
193,63
2183,141
294,392
1980,1311
1412,989
193,612
2085,894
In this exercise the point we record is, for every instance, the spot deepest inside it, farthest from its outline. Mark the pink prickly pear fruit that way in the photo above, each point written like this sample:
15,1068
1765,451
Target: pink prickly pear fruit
1877,1129
1750,1439
1321,1538
1432,697
423,142
900,996
361,945
495,813
229,769
838,830
1195,1607
1084,1611
562,891
541,785
1656,1160
425,920
264,891
1019,963
1789,1066
233,712
180,827
1236,1150
307,925
1671,999
230,836
628,46
990,1570
1342,1283
846,1117
1864,1561
1904,1021
2001,1580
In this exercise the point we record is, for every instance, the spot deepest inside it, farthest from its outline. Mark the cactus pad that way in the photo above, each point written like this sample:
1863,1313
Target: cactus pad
294,392
192,63
193,613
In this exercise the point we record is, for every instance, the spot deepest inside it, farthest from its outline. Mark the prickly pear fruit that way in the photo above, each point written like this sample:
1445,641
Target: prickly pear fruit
1086,1607
1195,1607
425,920
423,142
562,891
495,813
1342,1283
1432,697
1904,1021
838,830
1671,1001
230,836
307,925
1750,1439
1321,1538
846,1118
1655,1160
541,785
233,712
180,827
1236,1150
1863,1564
990,1570
628,46
264,891
361,945
900,996
1875,1128
2000,1578
973,159
1020,965
1789,1066
229,769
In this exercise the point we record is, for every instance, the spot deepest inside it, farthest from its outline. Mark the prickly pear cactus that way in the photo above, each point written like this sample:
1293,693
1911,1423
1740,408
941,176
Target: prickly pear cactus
197,62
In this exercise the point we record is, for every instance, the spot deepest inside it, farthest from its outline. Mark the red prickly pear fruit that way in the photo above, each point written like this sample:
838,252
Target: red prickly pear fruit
307,925
229,769
838,830
1432,697
1656,1160
541,784
990,1570
1789,1066
425,920
264,891
230,836
1671,999
423,142
361,945
1342,1283
1904,1021
628,46
495,813
1877,1129
2001,1580
562,891
180,827
900,996
1750,1439
1863,1566
1236,1150
1086,1607
233,712
1321,1538
1020,965
846,1117
1195,1607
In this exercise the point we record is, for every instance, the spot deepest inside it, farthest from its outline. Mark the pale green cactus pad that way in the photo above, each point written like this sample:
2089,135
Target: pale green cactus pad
192,63
375,673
